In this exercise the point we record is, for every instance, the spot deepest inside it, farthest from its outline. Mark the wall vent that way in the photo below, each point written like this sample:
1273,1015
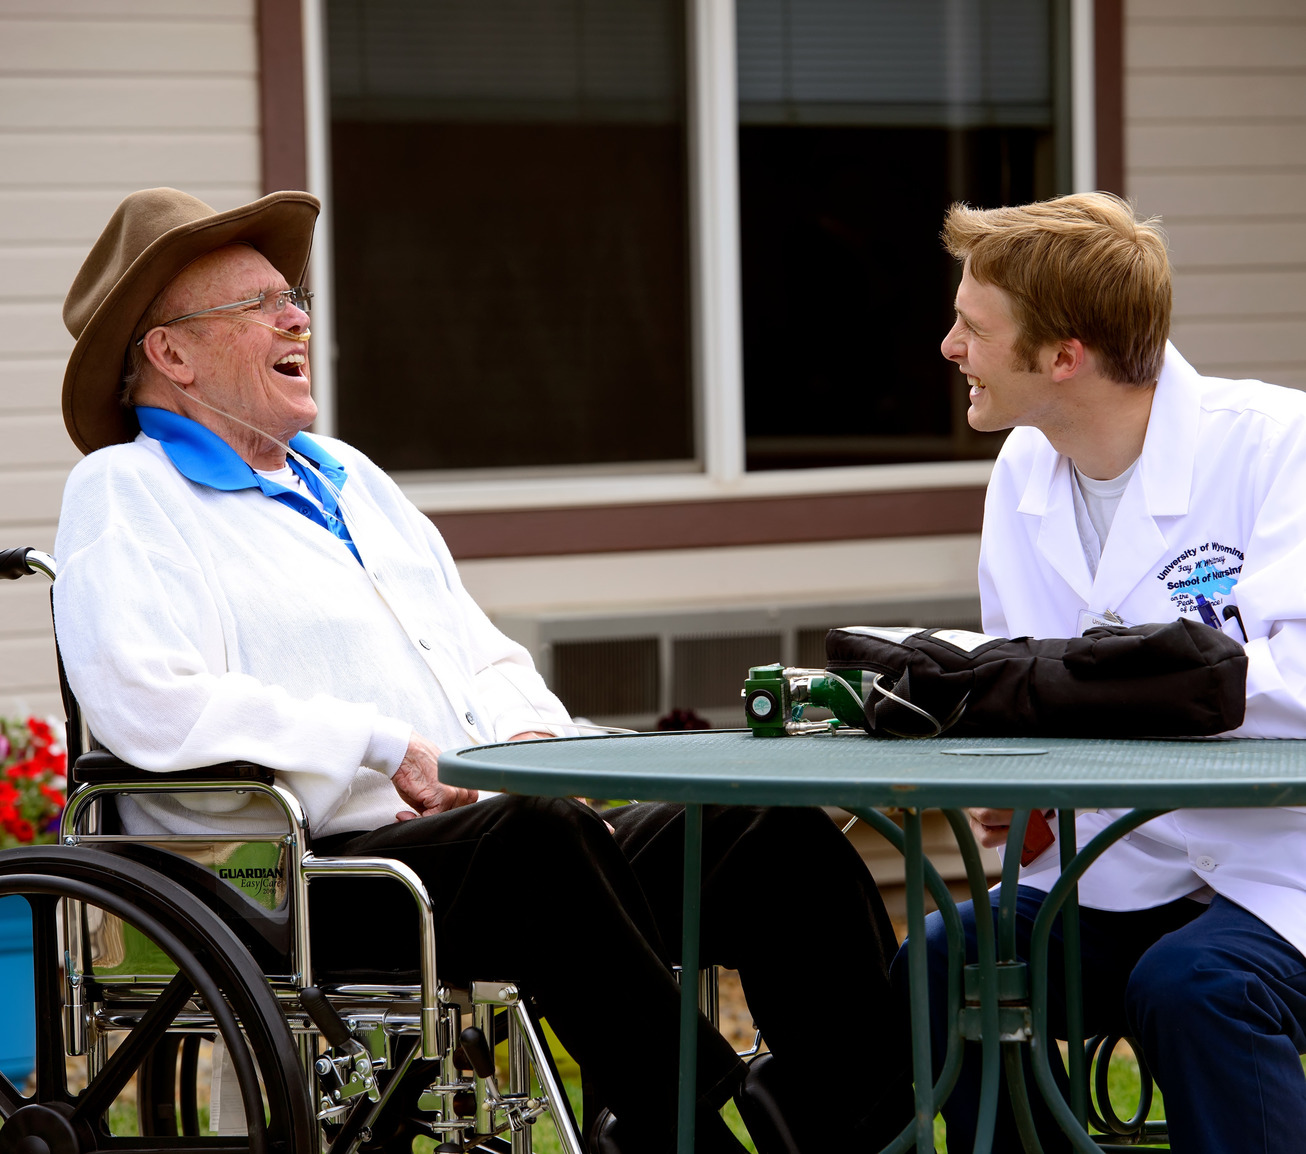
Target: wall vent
632,669
617,678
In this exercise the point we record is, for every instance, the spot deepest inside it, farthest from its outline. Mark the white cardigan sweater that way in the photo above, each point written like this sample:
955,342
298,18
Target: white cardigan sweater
199,626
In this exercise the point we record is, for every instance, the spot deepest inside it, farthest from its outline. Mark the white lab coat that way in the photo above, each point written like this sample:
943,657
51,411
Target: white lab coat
1217,507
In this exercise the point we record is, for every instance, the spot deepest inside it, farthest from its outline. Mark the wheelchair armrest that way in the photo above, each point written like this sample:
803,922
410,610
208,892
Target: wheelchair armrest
100,766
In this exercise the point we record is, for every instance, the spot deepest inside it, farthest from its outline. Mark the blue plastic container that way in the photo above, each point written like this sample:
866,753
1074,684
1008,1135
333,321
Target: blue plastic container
17,991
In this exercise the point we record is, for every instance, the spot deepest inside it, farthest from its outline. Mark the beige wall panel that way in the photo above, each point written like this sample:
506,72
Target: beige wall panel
33,329
28,271
1189,10
127,46
1213,97
180,10
36,439
31,384
27,665
39,702
30,498
1215,136
116,103
177,159
1235,44
1236,243
24,605
77,216
1291,376
1221,194
31,536
1156,147
1249,294
733,577
1232,343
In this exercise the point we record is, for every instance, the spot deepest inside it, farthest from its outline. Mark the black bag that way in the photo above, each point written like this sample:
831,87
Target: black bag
1177,679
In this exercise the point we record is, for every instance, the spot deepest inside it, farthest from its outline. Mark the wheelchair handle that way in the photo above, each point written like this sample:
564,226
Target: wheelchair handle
324,1016
477,1050
22,561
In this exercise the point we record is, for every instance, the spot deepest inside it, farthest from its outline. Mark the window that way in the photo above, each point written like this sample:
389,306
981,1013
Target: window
512,191
859,123
510,227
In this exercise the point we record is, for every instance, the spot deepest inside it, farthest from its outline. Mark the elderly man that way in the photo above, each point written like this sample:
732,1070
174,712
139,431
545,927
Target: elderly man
1134,490
232,588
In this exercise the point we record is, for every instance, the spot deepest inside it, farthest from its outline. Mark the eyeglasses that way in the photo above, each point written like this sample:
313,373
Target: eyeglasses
270,302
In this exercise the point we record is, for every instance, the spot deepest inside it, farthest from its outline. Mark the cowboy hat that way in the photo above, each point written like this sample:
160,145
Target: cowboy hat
151,237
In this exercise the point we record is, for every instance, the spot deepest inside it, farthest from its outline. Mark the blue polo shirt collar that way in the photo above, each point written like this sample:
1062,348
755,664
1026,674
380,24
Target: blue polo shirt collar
205,458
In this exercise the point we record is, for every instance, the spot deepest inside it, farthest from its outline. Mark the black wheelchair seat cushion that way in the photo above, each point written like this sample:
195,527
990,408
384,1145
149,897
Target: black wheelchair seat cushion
1177,679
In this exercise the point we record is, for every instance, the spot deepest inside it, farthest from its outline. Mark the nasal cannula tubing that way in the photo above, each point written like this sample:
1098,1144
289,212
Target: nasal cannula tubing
342,506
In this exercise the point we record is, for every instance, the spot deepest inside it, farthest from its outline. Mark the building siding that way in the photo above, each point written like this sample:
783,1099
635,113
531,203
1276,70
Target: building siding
97,98
100,97
1215,143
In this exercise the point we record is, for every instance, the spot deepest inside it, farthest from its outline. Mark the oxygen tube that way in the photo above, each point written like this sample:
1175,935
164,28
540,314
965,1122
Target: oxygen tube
343,511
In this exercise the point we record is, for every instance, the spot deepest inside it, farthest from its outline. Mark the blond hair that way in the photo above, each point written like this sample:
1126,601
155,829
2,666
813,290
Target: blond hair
1078,266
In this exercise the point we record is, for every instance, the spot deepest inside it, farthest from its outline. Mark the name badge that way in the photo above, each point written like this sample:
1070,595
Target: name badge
1090,620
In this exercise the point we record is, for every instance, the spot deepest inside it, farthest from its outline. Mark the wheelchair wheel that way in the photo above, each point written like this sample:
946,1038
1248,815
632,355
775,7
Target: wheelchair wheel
168,1097
214,973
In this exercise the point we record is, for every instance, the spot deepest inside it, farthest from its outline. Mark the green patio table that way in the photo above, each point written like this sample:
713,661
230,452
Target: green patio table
1006,1008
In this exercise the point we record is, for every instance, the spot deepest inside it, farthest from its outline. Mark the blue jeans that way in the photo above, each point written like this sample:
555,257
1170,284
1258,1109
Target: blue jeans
1215,999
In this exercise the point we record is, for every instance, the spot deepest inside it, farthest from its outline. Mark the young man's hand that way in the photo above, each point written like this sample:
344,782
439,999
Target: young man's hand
418,782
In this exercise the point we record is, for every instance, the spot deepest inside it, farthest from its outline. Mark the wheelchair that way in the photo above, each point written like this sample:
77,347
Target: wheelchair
150,956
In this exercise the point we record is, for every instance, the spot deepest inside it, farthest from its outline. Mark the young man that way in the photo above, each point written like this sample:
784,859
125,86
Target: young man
1132,489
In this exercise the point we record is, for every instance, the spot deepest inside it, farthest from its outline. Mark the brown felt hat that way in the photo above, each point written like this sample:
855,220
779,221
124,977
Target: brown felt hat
151,237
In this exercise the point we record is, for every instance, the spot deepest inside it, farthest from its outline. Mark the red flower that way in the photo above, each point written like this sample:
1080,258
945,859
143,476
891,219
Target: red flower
32,783
54,796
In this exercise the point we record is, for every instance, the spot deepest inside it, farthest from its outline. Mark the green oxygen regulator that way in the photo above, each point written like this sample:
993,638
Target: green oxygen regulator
776,697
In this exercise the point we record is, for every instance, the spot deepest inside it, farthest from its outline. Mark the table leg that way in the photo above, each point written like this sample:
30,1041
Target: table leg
1007,954
1074,975
1041,1045
956,957
922,1070
986,960
689,978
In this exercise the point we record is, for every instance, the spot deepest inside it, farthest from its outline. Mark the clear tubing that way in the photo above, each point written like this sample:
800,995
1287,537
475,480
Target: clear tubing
343,508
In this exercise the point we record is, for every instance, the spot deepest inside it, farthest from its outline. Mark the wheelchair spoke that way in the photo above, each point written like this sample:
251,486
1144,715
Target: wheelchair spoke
10,1099
117,1072
190,1114
156,1086
47,968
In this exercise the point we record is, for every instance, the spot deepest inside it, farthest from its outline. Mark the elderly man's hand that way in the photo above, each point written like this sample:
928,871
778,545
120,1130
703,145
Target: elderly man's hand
418,783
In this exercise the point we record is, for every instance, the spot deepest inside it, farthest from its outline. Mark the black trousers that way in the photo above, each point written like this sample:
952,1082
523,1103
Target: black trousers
538,891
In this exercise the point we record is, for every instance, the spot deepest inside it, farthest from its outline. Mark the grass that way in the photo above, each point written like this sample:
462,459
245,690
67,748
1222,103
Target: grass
544,1136
1122,1082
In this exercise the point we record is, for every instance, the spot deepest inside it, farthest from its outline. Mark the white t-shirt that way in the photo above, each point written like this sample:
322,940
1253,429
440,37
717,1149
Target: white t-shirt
1095,508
